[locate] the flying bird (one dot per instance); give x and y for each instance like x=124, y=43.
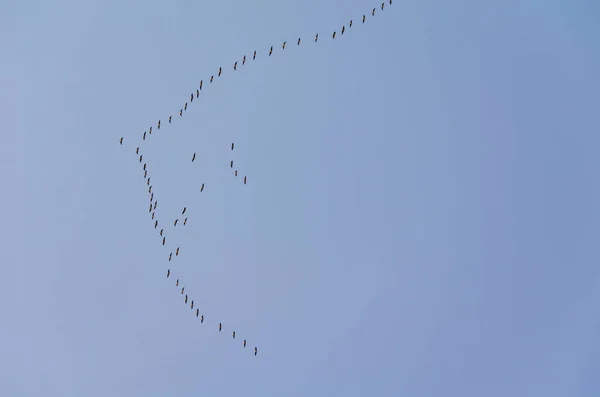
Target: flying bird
x=145, y=175
x=201, y=319
x=155, y=224
x=298, y=40
x=170, y=256
x=141, y=157
x=144, y=137
x=254, y=56
x=170, y=119
x=373, y=12
x=148, y=183
x=350, y=24
x=192, y=97
x=137, y=150
x=182, y=289
x=244, y=60
x=158, y=124
x=153, y=215
x=202, y=188
x=121, y=141
x=219, y=75
x=244, y=342
x=193, y=157
x=211, y=78
x=184, y=209
x=197, y=312
x=231, y=164
x=150, y=131
x=235, y=172
x=180, y=112
x=168, y=273
x=161, y=232
x=175, y=223
x=192, y=306
x=235, y=66
x=232, y=145
x=200, y=84
x=185, y=106
x=283, y=45
x=184, y=221
x=177, y=252
x=219, y=327
x=271, y=51
x=316, y=37
x=233, y=334
x=382, y=4
x=364, y=18
x=177, y=283
x=145, y=166
x=186, y=298
x=197, y=93
x=244, y=180
x=343, y=29
x=333, y=35
x=164, y=240
x=255, y=351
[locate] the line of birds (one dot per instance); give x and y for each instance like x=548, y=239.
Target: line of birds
x=154, y=202
x=152, y=210
x=243, y=60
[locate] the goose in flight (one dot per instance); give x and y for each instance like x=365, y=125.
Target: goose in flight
x=180, y=112
x=333, y=35
x=200, y=84
x=184, y=221
x=201, y=319
x=235, y=66
x=231, y=164
x=211, y=78
x=144, y=166
x=343, y=29
x=144, y=136
x=155, y=223
x=244, y=342
x=121, y=141
x=150, y=209
x=148, y=181
x=202, y=188
x=254, y=56
x=137, y=150
x=170, y=117
x=145, y=175
x=155, y=204
x=141, y=157
x=150, y=189
x=191, y=97
x=244, y=60
x=185, y=106
x=219, y=327
x=168, y=272
x=182, y=289
x=184, y=209
x=316, y=37
x=192, y=305
x=233, y=334
x=164, y=240
x=244, y=180
x=382, y=4
x=283, y=45
x=220, y=70
x=175, y=222
x=235, y=172
x=197, y=93
x=177, y=252
x=373, y=12
x=177, y=283
x=150, y=131
x=232, y=146
x=350, y=24
x=161, y=232
x=197, y=312
x=170, y=256
x=186, y=299
x=255, y=351
x=364, y=18
x=271, y=51
x=193, y=157
x=153, y=215
x=158, y=124
x=298, y=40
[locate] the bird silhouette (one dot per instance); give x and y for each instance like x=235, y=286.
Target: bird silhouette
x=121, y=141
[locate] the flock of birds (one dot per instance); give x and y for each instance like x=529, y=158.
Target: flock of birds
x=154, y=202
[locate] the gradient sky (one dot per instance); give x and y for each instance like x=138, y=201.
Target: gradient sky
x=421, y=216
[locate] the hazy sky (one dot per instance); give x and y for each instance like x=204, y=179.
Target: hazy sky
x=421, y=217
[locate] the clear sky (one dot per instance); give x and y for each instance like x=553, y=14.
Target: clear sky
x=421, y=217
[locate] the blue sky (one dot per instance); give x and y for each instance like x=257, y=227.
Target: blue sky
x=421, y=216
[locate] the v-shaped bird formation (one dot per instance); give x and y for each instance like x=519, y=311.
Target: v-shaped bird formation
x=182, y=220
